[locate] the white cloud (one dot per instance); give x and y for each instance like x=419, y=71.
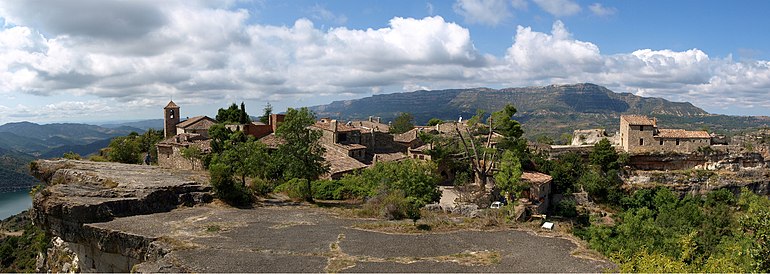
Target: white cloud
x=429, y=7
x=559, y=8
x=318, y=12
x=519, y=4
x=208, y=54
x=487, y=12
x=600, y=10
x=551, y=56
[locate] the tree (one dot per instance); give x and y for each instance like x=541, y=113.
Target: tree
x=503, y=123
x=125, y=149
x=265, y=118
x=233, y=115
x=404, y=122
x=566, y=171
x=301, y=154
x=434, y=121
x=192, y=154
x=604, y=156
x=508, y=179
x=148, y=142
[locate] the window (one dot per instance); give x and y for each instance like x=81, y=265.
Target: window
x=677, y=142
x=641, y=141
x=641, y=128
x=661, y=142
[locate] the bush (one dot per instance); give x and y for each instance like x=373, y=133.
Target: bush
x=326, y=189
x=71, y=155
x=296, y=189
x=391, y=205
x=261, y=186
x=225, y=187
x=566, y=208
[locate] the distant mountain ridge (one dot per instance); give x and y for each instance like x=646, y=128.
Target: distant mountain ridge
x=547, y=110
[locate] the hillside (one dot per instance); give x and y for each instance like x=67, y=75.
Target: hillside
x=14, y=173
x=549, y=110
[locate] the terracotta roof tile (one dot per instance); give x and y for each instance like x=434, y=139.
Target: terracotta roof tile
x=638, y=120
x=205, y=122
x=272, y=140
x=171, y=105
x=341, y=162
x=327, y=125
x=535, y=177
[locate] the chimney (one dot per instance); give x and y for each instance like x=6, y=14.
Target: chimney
x=333, y=125
x=371, y=118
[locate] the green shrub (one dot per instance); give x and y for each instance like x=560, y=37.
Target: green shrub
x=225, y=187
x=261, y=186
x=296, y=189
x=392, y=205
x=566, y=208
x=71, y=155
x=326, y=189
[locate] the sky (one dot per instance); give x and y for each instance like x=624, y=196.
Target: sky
x=98, y=60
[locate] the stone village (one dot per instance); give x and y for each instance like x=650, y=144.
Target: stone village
x=358, y=144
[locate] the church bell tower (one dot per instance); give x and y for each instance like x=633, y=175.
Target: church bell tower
x=170, y=119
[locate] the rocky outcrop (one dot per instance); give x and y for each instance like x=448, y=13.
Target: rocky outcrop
x=81, y=193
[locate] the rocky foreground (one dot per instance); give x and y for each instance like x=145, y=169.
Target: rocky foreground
x=108, y=217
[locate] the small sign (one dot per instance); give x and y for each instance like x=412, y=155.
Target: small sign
x=548, y=225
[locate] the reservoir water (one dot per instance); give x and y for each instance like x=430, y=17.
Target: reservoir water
x=11, y=203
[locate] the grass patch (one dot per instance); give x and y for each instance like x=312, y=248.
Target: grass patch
x=213, y=228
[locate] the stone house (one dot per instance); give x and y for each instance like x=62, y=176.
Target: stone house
x=196, y=125
x=170, y=151
x=538, y=191
x=640, y=134
x=259, y=129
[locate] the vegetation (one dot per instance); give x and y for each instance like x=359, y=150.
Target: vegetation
x=659, y=232
x=131, y=149
x=393, y=190
x=265, y=118
x=233, y=115
x=71, y=155
x=301, y=155
x=19, y=253
x=404, y=122
x=434, y=121
x=508, y=179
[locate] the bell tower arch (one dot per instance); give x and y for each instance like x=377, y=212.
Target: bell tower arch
x=170, y=119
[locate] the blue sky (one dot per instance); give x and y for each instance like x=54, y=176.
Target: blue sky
x=94, y=60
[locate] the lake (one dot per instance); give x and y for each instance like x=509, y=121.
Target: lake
x=11, y=203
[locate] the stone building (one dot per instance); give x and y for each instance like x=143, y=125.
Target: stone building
x=259, y=129
x=170, y=151
x=196, y=125
x=170, y=119
x=180, y=135
x=536, y=196
x=592, y=136
x=640, y=134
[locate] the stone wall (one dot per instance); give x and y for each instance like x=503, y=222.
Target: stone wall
x=171, y=157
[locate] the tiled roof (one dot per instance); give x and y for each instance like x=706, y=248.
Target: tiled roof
x=369, y=125
x=327, y=125
x=171, y=105
x=681, y=133
x=638, y=120
x=272, y=141
x=206, y=122
x=389, y=157
x=535, y=177
x=407, y=137
x=186, y=140
x=341, y=162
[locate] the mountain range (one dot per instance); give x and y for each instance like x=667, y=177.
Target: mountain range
x=549, y=110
